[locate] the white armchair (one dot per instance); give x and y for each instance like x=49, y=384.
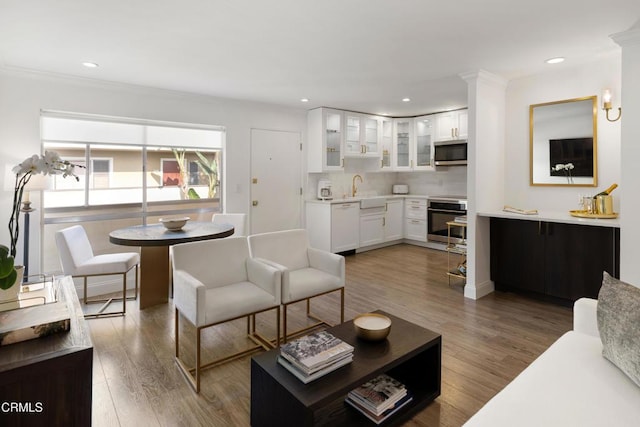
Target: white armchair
x=306, y=272
x=216, y=281
x=77, y=260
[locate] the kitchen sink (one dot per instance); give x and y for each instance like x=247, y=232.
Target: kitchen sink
x=373, y=202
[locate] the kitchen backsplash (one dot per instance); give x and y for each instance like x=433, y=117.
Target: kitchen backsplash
x=452, y=181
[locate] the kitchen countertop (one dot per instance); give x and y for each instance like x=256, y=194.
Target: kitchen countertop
x=386, y=196
x=554, y=216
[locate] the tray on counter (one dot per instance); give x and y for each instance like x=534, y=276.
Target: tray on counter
x=585, y=214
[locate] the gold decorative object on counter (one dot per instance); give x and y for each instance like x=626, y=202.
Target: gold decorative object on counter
x=598, y=206
x=604, y=205
x=585, y=214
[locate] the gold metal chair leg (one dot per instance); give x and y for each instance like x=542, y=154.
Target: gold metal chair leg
x=342, y=305
x=319, y=321
x=124, y=293
x=107, y=301
x=176, y=332
x=198, y=360
x=284, y=323
x=85, y=290
x=193, y=374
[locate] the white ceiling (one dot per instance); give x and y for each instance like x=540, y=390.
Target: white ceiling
x=363, y=55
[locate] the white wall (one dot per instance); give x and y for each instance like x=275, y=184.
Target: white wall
x=23, y=95
x=585, y=80
x=630, y=153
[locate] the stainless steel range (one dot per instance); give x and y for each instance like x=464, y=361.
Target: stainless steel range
x=440, y=210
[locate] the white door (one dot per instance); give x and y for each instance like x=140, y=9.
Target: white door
x=276, y=180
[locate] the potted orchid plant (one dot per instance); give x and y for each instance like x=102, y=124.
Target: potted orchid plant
x=48, y=164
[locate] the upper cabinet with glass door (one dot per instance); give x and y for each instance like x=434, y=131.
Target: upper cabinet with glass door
x=325, y=140
x=362, y=136
x=386, y=144
x=402, y=143
x=451, y=125
x=423, y=147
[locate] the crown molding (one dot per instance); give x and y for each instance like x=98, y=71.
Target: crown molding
x=61, y=78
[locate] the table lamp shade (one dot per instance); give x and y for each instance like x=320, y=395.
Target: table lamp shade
x=38, y=182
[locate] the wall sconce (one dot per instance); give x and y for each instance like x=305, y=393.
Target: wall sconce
x=606, y=105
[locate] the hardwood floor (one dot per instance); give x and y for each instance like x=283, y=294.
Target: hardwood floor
x=486, y=343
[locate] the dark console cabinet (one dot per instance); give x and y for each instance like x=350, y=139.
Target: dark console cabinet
x=48, y=381
x=561, y=262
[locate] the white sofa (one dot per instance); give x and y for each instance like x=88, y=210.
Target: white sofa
x=570, y=384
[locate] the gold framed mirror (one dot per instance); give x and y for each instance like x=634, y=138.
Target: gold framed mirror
x=563, y=142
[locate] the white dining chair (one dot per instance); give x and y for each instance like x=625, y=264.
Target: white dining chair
x=78, y=260
x=306, y=272
x=216, y=281
x=238, y=220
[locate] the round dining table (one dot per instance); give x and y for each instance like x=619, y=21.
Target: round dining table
x=154, y=241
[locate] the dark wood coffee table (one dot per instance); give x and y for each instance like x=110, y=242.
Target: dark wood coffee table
x=411, y=354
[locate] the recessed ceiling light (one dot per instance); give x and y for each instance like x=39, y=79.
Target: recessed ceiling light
x=90, y=64
x=556, y=60
x=406, y=99
x=304, y=99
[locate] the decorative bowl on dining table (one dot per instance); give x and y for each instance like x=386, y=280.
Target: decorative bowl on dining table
x=174, y=224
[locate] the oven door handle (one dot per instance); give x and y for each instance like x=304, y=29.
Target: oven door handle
x=446, y=211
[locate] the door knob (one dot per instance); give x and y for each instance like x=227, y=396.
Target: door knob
x=254, y=203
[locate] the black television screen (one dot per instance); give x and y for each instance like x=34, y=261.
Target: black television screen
x=578, y=151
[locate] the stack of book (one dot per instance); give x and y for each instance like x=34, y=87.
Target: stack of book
x=379, y=398
x=314, y=355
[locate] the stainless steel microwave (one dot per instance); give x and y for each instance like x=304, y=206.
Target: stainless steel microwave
x=450, y=153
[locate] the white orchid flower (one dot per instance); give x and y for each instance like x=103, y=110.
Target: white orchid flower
x=48, y=164
x=52, y=163
x=29, y=165
x=569, y=166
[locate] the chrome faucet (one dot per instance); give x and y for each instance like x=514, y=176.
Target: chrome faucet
x=354, y=189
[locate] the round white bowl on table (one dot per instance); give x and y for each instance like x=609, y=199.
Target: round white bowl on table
x=174, y=224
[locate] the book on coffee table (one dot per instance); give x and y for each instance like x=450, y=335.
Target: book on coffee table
x=315, y=350
x=307, y=378
x=378, y=394
x=385, y=414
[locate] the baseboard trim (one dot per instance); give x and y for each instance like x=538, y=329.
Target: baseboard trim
x=377, y=246
x=479, y=291
x=103, y=287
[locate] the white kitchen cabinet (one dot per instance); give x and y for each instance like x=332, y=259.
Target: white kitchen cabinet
x=402, y=144
x=362, y=135
x=386, y=144
x=415, y=229
x=451, y=125
x=393, y=220
x=372, y=227
x=333, y=227
x=413, y=144
x=325, y=140
x=423, y=147
x=415, y=214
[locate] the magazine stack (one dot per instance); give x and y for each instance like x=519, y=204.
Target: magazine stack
x=379, y=398
x=314, y=355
